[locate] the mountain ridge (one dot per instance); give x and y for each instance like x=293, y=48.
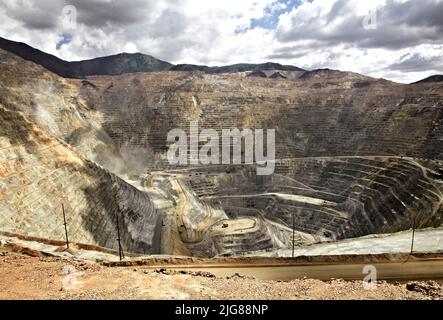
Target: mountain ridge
x=431, y=79
x=123, y=63
x=238, y=67
x=110, y=65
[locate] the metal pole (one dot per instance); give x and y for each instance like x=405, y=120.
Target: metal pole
x=120, y=249
x=66, y=228
x=412, y=240
x=293, y=235
x=413, y=237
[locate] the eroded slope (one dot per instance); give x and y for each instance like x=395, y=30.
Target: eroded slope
x=38, y=173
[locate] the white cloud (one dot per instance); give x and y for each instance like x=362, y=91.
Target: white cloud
x=325, y=33
x=317, y=33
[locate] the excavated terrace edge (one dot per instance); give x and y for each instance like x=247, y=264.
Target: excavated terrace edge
x=189, y=262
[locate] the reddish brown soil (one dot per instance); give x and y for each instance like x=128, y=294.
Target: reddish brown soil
x=29, y=277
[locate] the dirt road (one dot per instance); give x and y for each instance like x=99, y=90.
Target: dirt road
x=392, y=271
x=25, y=277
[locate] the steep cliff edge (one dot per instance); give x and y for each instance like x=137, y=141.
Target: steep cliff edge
x=39, y=172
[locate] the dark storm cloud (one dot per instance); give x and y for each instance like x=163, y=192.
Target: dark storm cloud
x=415, y=62
x=100, y=13
x=424, y=13
x=39, y=15
x=399, y=25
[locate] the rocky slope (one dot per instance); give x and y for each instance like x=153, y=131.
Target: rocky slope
x=111, y=65
x=355, y=155
x=38, y=173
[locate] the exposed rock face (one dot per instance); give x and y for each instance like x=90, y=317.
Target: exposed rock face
x=355, y=156
x=340, y=114
x=258, y=74
x=333, y=198
x=38, y=173
x=277, y=75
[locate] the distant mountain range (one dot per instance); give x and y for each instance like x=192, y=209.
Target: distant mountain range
x=122, y=63
x=241, y=67
x=436, y=78
x=137, y=62
x=111, y=65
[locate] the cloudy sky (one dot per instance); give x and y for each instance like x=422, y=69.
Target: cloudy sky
x=401, y=40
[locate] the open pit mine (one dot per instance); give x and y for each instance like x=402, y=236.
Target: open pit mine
x=354, y=156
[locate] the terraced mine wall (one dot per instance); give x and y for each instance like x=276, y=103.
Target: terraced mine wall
x=355, y=156
x=54, y=103
x=346, y=115
x=330, y=198
x=38, y=173
x=122, y=122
